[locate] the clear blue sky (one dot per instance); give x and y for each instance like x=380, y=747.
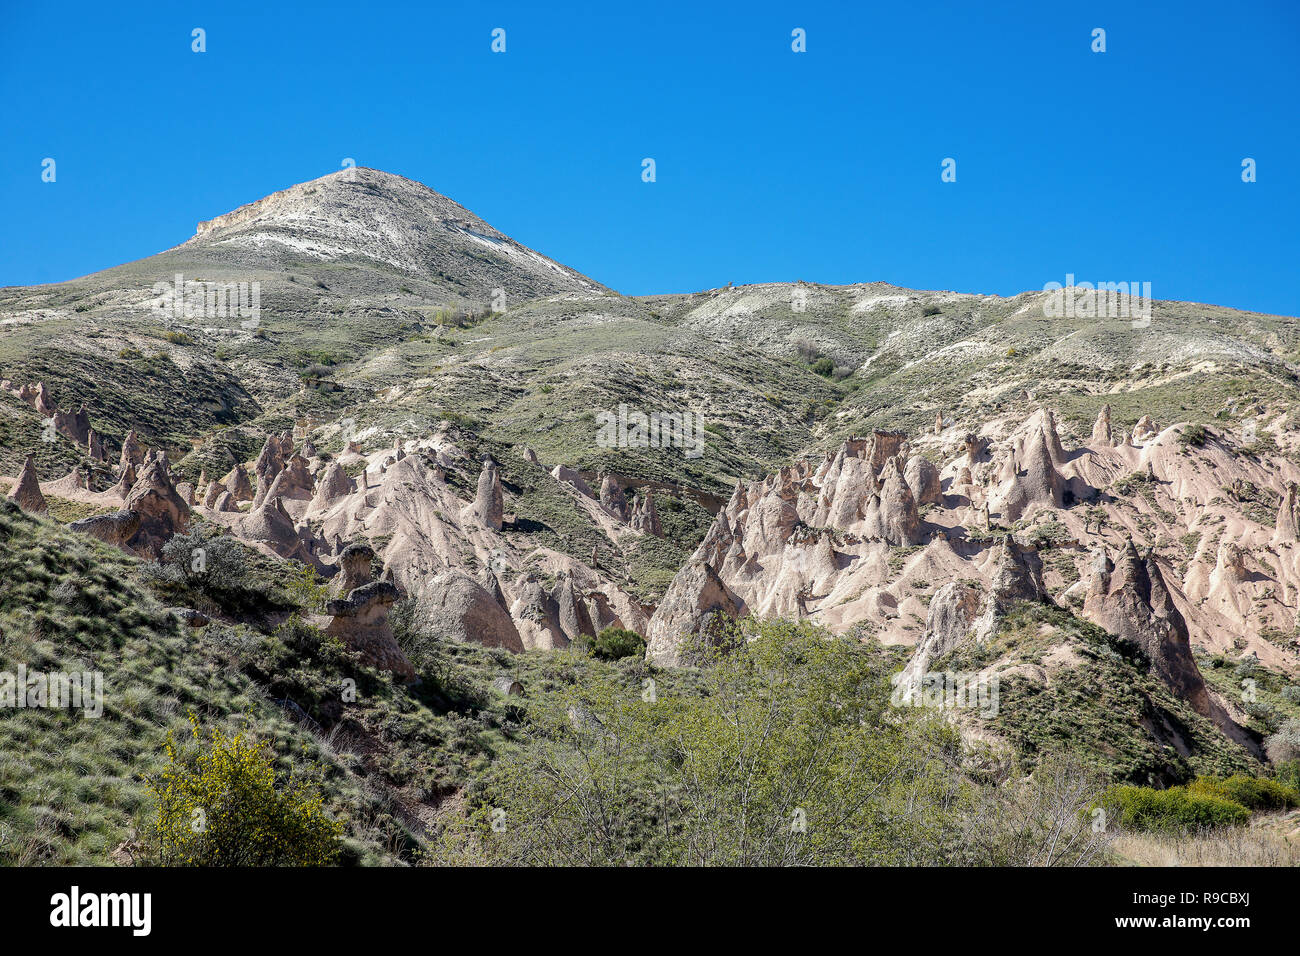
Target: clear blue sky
x=772, y=165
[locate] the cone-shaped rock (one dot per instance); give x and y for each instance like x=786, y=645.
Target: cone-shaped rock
x=26, y=491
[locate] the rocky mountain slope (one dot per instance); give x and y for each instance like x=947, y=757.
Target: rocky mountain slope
x=414, y=414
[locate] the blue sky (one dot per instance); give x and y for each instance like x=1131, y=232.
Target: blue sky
x=771, y=165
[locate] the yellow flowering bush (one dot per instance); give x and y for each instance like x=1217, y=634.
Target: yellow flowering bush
x=218, y=805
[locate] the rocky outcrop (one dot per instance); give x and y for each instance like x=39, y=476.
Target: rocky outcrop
x=1130, y=599
x=1017, y=575
x=488, y=508
x=26, y=490
x=612, y=497
x=1030, y=479
x=354, y=568
x=238, y=484
x=115, y=529
x=293, y=482
x=460, y=609
x=360, y=621
x=1287, y=527
x=95, y=447
x=125, y=482
x=948, y=623
x=74, y=426
x=162, y=511
x=570, y=477
x=570, y=611
x=214, y=491
x=270, y=462
x=538, y=617
x=69, y=486
x=1144, y=429
x=38, y=396
x=333, y=486
x=270, y=525
x=922, y=479
x=1101, y=432
x=694, y=601
x=890, y=514
x=645, y=516
x=132, y=453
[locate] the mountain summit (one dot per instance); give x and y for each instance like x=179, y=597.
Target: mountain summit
x=368, y=217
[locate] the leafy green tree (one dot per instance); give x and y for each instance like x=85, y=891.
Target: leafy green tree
x=790, y=754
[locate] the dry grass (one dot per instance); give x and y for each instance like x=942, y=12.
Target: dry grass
x=1273, y=840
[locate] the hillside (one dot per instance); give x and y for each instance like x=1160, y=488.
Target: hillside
x=398, y=470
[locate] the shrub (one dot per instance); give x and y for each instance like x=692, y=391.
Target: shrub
x=218, y=805
x=1192, y=435
x=1284, y=746
x=1144, y=808
x=1253, y=793
x=931, y=310
x=823, y=367
x=614, y=643
x=1288, y=774
x=205, y=556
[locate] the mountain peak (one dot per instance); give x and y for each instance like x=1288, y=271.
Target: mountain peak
x=365, y=215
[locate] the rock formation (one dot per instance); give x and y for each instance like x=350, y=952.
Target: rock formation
x=214, y=491
x=571, y=613
x=334, y=485
x=1144, y=430
x=115, y=529
x=95, y=447
x=695, y=599
x=488, y=508
x=612, y=497
x=645, y=516
x=238, y=484
x=354, y=568
x=461, y=609
x=162, y=511
x=922, y=479
x=26, y=490
x=1030, y=479
x=1101, y=433
x=1130, y=599
x=569, y=476
x=538, y=617
x=360, y=621
x=1287, y=527
x=132, y=454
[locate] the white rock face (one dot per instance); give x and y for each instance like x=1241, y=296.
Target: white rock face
x=365, y=214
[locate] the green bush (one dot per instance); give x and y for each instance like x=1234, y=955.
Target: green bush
x=1253, y=793
x=614, y=643
x=823, y=367
x=1287, y=773
x=1144, y=808
x=218, y=805
x=1192, y=435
